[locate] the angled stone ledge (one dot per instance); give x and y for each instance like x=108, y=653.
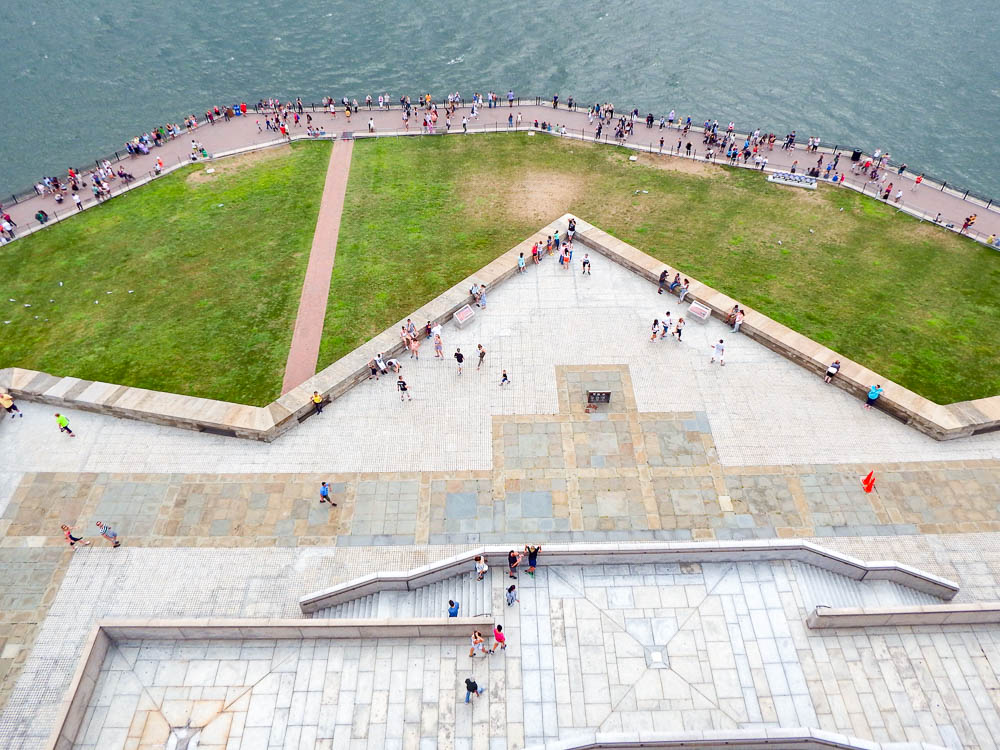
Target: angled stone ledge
x=942, y=422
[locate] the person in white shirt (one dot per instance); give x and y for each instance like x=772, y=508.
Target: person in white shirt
x=719, y=352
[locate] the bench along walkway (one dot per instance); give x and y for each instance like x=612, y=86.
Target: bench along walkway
x=926, y=202
x=303, y=353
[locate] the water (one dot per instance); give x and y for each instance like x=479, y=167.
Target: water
x=917, y=78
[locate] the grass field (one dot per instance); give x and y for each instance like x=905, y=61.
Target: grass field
x=215, y=265
x=908, y=300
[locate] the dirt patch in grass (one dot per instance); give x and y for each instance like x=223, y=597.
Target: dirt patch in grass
x=236, y=163
x=541, y=195
x=677, y=164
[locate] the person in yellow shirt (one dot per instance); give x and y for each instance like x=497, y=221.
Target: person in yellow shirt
x=317, y=402
x=7, y=402
x=64, y=424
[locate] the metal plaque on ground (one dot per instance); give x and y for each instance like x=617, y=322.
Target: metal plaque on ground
x=598, y=397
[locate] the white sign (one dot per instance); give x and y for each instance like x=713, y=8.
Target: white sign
x=463, y=315
x=699, y=311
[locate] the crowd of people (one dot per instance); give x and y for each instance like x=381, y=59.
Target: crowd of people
x=282, y=116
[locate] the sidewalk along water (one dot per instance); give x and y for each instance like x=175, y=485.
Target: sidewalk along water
x=907, y=77
x=931, y=201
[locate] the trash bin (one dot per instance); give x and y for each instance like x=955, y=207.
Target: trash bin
x=856, y=156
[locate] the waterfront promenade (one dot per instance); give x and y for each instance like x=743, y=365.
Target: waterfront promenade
x=925, y=202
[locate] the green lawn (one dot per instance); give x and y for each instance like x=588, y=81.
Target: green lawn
x=215, y=264
x=908, y=300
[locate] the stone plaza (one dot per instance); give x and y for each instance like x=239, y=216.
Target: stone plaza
x=686, y=451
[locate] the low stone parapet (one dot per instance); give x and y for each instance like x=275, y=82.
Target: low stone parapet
x=612, y=553
x=934, y=614
x=773, y=738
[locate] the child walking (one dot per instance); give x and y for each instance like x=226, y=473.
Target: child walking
x=68, y=533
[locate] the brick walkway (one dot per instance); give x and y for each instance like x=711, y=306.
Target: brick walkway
x=243, y=131
x=304, y=350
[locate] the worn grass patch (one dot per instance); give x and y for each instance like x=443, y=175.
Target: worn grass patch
x=908, y=300
x=215, y=266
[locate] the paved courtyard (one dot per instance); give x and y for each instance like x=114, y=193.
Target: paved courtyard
x=608, y=648
x=685, y=451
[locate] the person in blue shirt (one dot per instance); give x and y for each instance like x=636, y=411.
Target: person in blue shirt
x=324, y=494
x=452, y=608
x=873, y=393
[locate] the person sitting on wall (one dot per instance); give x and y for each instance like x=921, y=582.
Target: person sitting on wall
x=475, y=292
x=42, y=216
x=731, y=317
x=675, y=283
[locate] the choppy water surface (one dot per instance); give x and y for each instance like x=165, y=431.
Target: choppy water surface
x=919, y=78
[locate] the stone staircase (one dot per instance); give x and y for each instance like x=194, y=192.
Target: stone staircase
x=431, y=601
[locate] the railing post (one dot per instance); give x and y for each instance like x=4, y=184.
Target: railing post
x=944, y=185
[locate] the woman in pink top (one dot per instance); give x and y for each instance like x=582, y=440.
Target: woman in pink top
x=499, y=639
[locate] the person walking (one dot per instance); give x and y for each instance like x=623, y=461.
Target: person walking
x=679, y=328
x=513, y=560
x=401, y=385
x=453, y=608
x=499, y=639
x=68, y=533
x=504, y=380
x=586, y=264
x=317, y=403
x=718, y=350
x=511, y=595
x=472, y=688
x=324, y=494
x=478, y=643
x=665, y=326
x=656, y=329
x=832, y=370
x=7, y=402
x=64, y=424
x=482, y=356
x=873, y=393
x=460, y=358
x=108, y=533
x=438, y=347
x=532, y=552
